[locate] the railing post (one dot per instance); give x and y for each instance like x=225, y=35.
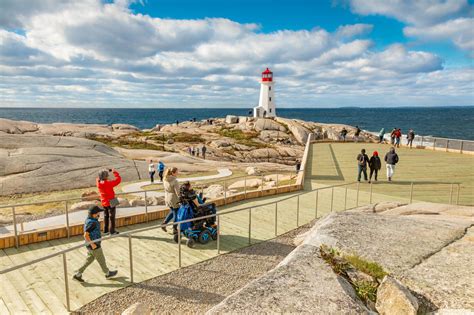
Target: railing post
x=447, y=145
x=462, y=146
x=179, y=245
x=245, y=187
x=276, y=218
x=298, y=211
x=411, y=192
x=225, y=191
x=332, y=197
x=218, y=235
x=457, y=195
x=146, y=207
x=130, y=256
x=67, y=219
x=345, y=199
x=15, y=228
x=370, y=198
x=66, y=283
x=451, y=194
x=250, y=226
x=316, y=204
x=357, y=198
x=434, y=144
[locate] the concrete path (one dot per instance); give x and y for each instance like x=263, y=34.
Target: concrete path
x=222, y=172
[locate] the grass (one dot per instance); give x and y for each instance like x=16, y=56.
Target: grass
x=179, y=137
x=126, y=142
x=242, y=137
x=340, y=264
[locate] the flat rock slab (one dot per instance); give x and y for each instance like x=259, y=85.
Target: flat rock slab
x=302, y=283
x=396, y=242
x=447, y=277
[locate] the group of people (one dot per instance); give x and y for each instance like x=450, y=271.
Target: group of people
x=195, y=151
x=374, y=163
x=152, y=170
x=396, y=136
x=344, y=133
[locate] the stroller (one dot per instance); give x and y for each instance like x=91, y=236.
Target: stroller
x=201, y=231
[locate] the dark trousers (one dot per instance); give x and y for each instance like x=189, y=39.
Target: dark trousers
x=372, y=171
x=160, y=173
x=410, y=142
x=361, y=169
x=171, y=215
x=152, y=175
x=109, y=215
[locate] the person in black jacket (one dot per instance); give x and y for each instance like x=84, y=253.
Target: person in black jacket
x=362, y=160
x=391, y=158
x=375, y=165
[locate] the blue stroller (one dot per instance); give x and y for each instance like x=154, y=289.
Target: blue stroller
x=201, y=231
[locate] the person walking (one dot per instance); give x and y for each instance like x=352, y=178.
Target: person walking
x=375, y=165
x=357, y=133
x=362, y=160
x=171, y=187
x=298, y=166
x=193, y=152
x=392, y=136
x=161, y=170
x=94, y=250
x=398, y=136
x=189, y=150
x=203, y=150
x=343, y=134
x=410, y=137
x=391, y=158
x=151, y=171
x=107, y=198
x=381, y=135
x=197, y=151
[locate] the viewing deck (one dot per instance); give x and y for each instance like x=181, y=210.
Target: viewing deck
x=40, y=288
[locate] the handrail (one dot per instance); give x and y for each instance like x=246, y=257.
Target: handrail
x=160, y=226
x=130, y=192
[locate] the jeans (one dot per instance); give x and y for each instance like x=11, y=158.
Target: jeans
x=361, y=169
x=109, y=215
x=171, y=215
x=160, y=173
x=94, y=254
x=390, y=170
x=372, y=171
x=410, y=142
x=152, y=174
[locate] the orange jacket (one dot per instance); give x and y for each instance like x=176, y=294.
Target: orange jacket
x=106, y=189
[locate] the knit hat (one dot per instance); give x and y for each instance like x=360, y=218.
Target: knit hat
x=376, y=153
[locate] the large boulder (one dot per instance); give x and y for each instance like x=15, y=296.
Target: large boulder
x=17, y=127
x=299, y=131
x=214, y=191
x=231, y=119
x=395, y=299
x=268, y=124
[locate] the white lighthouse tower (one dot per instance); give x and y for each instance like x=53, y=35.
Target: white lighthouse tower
x=266, y=103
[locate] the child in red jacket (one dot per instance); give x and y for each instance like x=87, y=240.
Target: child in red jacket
x=107, y=194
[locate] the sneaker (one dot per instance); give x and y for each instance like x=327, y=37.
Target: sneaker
x=111, y=274
x=164, y=229
x=115, y=232
x=78, y=278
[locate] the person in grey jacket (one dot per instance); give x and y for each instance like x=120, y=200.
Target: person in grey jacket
x=391, y=158
x=171, y=187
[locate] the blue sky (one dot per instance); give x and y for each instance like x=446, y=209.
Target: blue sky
x=210, y=53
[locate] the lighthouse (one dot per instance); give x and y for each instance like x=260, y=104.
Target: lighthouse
x=266, y=103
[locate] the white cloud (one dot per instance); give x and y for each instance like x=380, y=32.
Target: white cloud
x=94, y=54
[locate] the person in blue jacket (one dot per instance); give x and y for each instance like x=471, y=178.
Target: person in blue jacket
x=161, y=169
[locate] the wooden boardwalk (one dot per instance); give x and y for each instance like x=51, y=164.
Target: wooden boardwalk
x=39, y=288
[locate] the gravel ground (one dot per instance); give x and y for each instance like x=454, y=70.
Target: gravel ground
x=197, y=288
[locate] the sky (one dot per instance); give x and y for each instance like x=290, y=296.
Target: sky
x=210, y=53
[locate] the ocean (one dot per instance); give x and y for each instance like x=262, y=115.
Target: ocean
x=447, y=122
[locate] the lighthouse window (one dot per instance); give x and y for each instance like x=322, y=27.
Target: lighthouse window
x=270, y=99
x=269, y=88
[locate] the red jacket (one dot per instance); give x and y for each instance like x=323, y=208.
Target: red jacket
x=106, y=189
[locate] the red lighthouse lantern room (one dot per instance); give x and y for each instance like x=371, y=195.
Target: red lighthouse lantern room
x=267, y=76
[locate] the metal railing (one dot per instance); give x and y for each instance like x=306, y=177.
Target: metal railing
x=145, y=193
x=313, y=210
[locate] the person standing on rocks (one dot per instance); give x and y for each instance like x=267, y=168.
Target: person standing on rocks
x=391, y=158
x=193, y=152
x=375, y=165
x=171, y=187
x=343, y=134
x=161, y=170
x=197, y=151
x=298, y=166
x=107, y=198
x=381, y=134
x=189, y=150
x=94, y=250
x=410, y=137
x=362, y=160
x=203, y=150
x=151, y=171
x=357, y=133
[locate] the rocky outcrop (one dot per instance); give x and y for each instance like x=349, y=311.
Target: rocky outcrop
x=394, y=299
x=268, y=124
x=17, y=127
x=298, y=130
x=33, y=163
